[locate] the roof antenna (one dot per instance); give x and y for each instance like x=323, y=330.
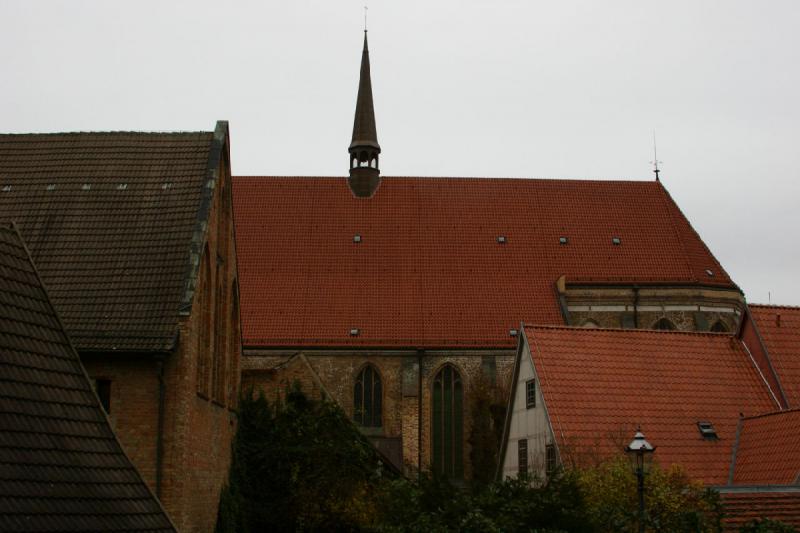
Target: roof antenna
x=365, y=19
x=655, y=160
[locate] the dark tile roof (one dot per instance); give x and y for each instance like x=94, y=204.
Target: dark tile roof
x=598, y=385
x=429, y=271
x=109, y=218
x=61, y=467
x=768, y=452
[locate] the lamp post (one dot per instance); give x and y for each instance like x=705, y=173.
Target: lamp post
x=640, y=453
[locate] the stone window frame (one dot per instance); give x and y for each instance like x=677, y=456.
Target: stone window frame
x=664, y=321
x=360, y=417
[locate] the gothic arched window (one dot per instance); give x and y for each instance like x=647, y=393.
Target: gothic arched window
x=448, y=423
x=719, y=327
x=367, y=396
x=664, y=324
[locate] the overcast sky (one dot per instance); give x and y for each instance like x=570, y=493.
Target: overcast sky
x=557, y=89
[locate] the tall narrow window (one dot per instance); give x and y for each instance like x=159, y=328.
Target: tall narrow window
x=103, y=389
x=522, y=455
x=664, y=324
x=367, y=396
x=530, y=393
x=203, y=307
x=550, y=458
x=448, y=424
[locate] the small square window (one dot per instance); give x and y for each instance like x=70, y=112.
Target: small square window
x=522, y=455
x=707, y=430
x=530, y=393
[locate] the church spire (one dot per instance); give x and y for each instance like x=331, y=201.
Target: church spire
x=364, y=148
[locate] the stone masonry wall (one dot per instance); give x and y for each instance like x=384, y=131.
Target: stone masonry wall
x=401, y=404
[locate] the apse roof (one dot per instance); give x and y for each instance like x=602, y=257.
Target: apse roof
x=110, y=219
x=429, y=269
x=61, y=467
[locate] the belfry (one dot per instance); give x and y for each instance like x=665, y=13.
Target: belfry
x=365, y=174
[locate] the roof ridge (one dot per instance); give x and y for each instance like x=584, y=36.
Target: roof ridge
x=775, y=306
x=631, y=330
x=464, y=178
x=106, y=132
x=772, y=413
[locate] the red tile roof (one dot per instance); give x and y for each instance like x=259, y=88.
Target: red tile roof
x=599, y=384
x=743, y=507
x=769, y=450
x=429, y=271
x=779, y=327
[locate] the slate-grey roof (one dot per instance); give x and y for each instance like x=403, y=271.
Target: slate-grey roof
x=61, y=467
x=109, y=219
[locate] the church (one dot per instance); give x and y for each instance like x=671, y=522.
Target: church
x=412, y=302
x=405, y=295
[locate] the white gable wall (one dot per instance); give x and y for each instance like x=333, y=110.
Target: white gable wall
x=531, y=424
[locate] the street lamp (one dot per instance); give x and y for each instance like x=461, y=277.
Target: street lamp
x=640, y=453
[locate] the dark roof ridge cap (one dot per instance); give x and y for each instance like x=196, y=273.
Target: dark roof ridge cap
x=772, y=413
x=219, y=144
x=637, y=331
x=108, y=132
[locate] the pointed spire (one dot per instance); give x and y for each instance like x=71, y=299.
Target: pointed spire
x=364, y=131
x=364, y=148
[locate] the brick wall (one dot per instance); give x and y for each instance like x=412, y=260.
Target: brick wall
x=201, y=386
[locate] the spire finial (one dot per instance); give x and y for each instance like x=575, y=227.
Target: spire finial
x=655, y=160
x=365, y=19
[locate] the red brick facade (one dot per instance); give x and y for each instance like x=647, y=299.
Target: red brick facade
x=184, y=454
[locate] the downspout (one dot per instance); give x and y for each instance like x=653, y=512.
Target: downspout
x=419, y=411
x=160, y=431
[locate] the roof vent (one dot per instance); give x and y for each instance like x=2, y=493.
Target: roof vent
x=707, y=430
x=51, y=186
x=86, y=186
x=513, y=332
x=616, y=241
x=709, y=273
x=563, y=240
x=6, y=188
x=354, y=332
x=501, y=239
x=122, y=186
x=356, y=238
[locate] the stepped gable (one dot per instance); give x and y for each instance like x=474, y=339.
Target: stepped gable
x=429, y=271
x=109, y=219
x=61, y=467
x=779, y=329
x=598, y=385
x=768, y=451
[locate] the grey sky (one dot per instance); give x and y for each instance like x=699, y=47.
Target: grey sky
x=462, y=88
